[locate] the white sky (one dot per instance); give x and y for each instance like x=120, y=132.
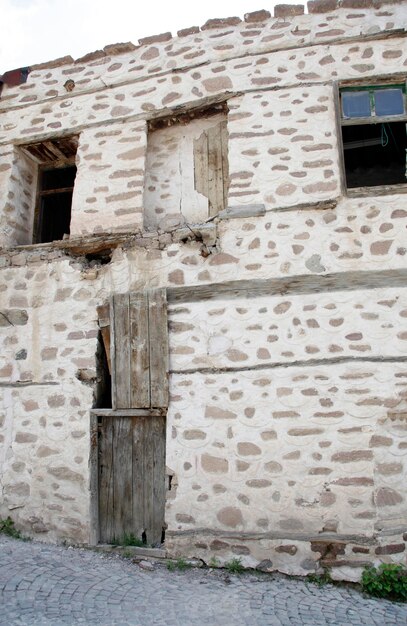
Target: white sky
x=34, y=31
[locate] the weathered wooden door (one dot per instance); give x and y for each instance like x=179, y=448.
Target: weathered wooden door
x=131, y=436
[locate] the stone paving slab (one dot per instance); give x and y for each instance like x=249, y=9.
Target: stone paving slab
x=47, y=585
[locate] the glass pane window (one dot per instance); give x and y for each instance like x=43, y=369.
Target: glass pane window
x=389, y=102
x=356, y=104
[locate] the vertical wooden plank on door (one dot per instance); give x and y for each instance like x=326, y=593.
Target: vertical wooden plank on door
x=139, y=351
x=149, y=477
x=106, y=480
x=148, y=507
x=122, y=477
x=121, y=351
x=157, y=445
x=139, y=478
x=158, y=332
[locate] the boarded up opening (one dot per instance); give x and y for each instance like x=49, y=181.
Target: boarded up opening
x=139, y=349
x=186, y=170
x=128, y=475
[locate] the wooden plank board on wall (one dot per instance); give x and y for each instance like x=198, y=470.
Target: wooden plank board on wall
x=225, y=162
x=215, y=173
x=201, y=164
x=139, y=380
x=105, y=443
x=139, y=350
x=122, y=478
x=139, y=478
x=211, y=170
x=121, y=351
x=149, y=477
x=158, y=332
x=157, y=438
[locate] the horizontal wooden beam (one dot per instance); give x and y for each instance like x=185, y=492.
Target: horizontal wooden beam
x=28, y=383
x=260, y=367
x=374, y=119
x=320, y=205
x=128, y=412
x=87, y=244
x=297, y=284
x=53, y=192
x=250, y=210
x=382, y=190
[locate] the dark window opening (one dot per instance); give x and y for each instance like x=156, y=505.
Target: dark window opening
x=55, y=160
x=375, y=154
x=55, y=200
x=374, y=139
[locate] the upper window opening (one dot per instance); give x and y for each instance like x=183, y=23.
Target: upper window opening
x=55, y=200
x=187, y=174
x=56, y=177
x=374, y=137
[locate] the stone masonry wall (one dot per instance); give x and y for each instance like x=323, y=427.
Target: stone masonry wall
x=286, y=430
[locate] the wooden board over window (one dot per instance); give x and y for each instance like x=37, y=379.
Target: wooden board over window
x=211, y=170
x=138, y=344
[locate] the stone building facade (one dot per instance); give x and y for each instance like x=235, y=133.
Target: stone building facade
x=236, y=168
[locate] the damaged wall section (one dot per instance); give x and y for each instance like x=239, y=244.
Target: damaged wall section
x=187, y=175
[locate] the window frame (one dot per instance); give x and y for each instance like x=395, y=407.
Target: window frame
x=371, y=82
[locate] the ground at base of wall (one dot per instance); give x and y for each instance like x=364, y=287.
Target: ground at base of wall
x=84, y=587
x=153, y=559
x=344, y=557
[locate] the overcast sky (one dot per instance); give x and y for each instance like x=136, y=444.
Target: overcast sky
x=33, y=31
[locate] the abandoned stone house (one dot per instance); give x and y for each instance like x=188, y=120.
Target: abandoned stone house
x=203, y=298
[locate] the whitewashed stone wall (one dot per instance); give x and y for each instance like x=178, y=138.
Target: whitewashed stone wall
x=287, y=431
x=108, y=193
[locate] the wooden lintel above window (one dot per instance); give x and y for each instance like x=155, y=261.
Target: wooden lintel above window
x=357, y=121
x=58, y=152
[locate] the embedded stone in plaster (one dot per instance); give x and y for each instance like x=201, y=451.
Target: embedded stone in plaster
x=216, y=412
x=213, y=464
x=386, y=496
x=230, y=516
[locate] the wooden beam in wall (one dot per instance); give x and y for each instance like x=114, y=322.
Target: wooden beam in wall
x=298, y=284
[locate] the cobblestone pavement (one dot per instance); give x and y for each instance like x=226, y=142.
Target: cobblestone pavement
x=45, y=585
